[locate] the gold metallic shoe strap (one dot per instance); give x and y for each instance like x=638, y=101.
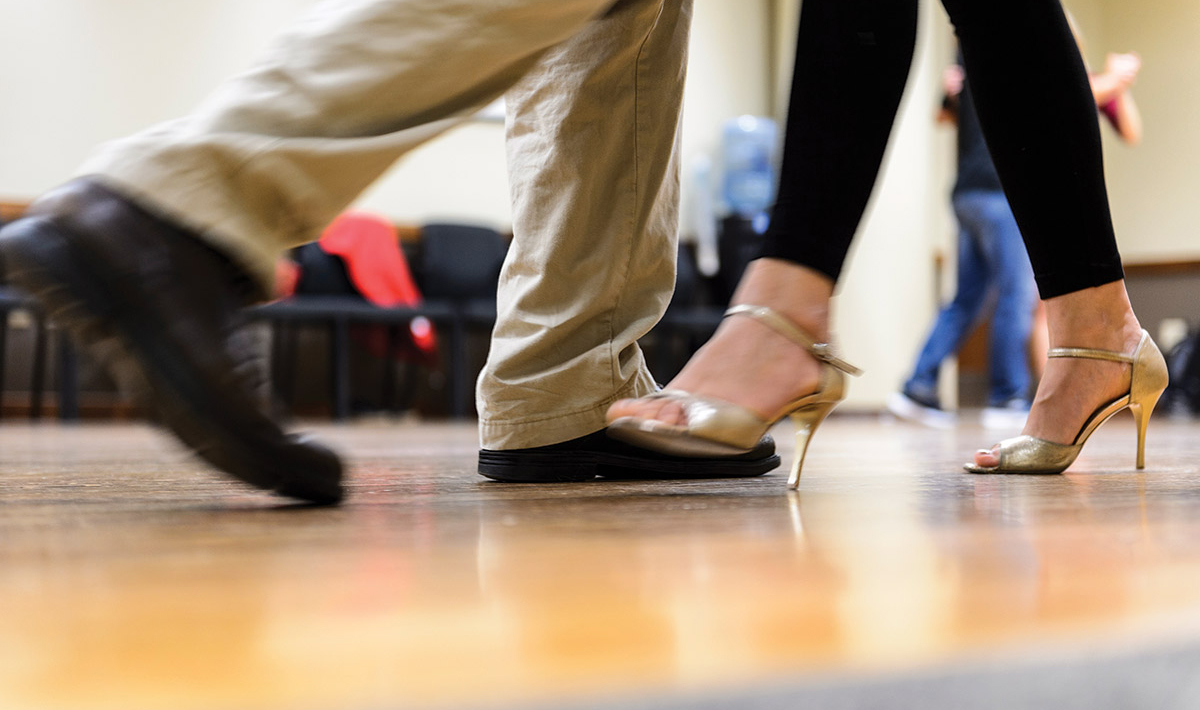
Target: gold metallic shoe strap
x=1091, y=354
x=821, y=351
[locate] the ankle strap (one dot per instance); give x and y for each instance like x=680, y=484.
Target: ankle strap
x=821, y=351
x=1091, y=354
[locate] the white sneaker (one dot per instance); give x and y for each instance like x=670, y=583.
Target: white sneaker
x=906, y=407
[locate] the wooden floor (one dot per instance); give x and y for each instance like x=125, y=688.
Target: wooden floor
x=130, y=578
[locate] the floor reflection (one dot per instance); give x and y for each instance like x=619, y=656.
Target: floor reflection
x=134, y=580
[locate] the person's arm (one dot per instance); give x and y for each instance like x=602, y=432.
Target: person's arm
x=1122, y=112
x=1120, y=71
x=1113, y=97
x=952, y=86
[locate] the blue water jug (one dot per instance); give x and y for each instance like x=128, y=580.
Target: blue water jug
x=748, y=148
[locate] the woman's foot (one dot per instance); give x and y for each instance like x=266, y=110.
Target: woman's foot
x=1071, y=389
x=746, y=363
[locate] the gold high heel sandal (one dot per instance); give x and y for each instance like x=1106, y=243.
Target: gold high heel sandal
x=1148, y=379
x=719, y=428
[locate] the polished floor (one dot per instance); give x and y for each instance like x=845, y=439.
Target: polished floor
x=131, y=579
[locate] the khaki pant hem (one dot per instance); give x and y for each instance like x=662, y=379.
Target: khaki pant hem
x=498, y=435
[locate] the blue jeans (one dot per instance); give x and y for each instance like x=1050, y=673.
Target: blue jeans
x=991, y=259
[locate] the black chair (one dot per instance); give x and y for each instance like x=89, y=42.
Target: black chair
x=738, y=244
x=690, y=320
x=326, y=296
x=337, y=313
x=458, y=270
x=699, y=302
x=12, y=300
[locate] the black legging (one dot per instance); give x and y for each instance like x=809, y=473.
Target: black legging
x=1035, y=107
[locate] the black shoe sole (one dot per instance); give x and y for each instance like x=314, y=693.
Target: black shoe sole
x=611, y=459
x=114, y=324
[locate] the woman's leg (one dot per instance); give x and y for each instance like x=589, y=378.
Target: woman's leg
x=1046, y=145
x=1049, y=160
x=1008, y=356
x=1017, y=46
x=852, y=60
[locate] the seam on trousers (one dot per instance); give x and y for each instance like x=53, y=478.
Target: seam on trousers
x=613, y=357
x=293, y=226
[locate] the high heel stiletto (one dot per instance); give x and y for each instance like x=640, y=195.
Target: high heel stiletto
x=1148, y=379
x=717, y=428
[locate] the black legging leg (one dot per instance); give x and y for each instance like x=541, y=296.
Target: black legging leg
x=852, y=60
x=1046, y=143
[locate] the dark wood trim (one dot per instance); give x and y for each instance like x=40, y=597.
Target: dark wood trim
x=408, y=233
x=12, y=210
x=94, y=406
x=1163, y=268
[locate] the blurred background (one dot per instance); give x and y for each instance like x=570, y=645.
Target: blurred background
x=79, y=72
x=132, y=579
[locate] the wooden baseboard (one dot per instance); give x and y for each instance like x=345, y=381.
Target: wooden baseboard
x=1151, y=269
x=12, y=210
x=49, y=411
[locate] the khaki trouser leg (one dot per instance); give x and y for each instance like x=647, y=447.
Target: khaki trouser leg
x=594, y=176
x=278, y=152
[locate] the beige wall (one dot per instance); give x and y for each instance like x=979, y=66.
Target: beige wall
x=79, y=72
x=462, y=176
x=1154, y=187
x=888, y=295
x=728, y=65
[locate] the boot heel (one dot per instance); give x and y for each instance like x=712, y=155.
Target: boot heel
x=806, y=422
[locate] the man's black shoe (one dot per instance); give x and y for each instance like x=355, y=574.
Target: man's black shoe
x=159, y=307
x=598, y=456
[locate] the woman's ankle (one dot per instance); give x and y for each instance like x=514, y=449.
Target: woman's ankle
x=1098, y=317
x=800, y=294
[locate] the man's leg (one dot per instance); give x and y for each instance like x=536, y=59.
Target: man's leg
x=148, y=258
x=919, y=400
x=1012, y=321
x=956, y=318
x=276, y=153
x=595, y=183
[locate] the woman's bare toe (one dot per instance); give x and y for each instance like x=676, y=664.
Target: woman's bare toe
x=661, y=410
x=988, y=458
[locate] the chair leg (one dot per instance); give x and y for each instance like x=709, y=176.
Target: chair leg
x=458, y=369
x=284, y=345
x=664, y=352
x=3, y=354
x=68, y=380
x=38, y=386
x=388, y=385
x=339, y=365
x=408, y=392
